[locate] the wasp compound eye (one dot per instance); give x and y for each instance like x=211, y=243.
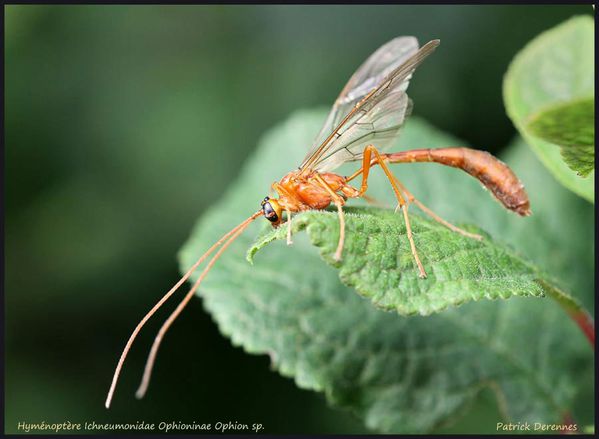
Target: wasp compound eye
x=269, y=213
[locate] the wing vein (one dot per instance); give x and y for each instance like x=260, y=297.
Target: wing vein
x=377, y=94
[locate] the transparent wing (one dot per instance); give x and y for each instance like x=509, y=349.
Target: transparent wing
x=361, y=116
x=379, y=126
x=378, y=66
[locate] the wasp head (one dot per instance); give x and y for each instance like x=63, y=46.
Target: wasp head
x=272, y=211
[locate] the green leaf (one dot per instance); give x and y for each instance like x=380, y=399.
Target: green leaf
x=569, y=124
x=580, y=159
x=572, y=126
x=556, y=68
x=378, y=261
x=404, y=374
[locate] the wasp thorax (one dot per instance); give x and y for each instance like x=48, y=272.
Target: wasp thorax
x=272, y=211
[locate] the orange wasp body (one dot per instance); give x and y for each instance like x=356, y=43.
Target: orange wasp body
x=370, y=111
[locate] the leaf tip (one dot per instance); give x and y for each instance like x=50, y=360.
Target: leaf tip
x=249, y=256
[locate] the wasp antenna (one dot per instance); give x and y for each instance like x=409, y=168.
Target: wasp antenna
x=145, y=381
x=164, y=298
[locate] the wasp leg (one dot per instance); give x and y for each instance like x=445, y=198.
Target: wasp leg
x=339, y=202
x=284, y=193
x=411, y=198
x=366, y=164
x=289, y=241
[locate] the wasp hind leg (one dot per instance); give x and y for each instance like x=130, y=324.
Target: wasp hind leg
x=401, y=202
x=412, y=199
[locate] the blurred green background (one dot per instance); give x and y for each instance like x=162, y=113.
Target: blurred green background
x=124, y=123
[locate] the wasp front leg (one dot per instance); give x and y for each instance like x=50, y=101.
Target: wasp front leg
x=289, y=241
x=289, y=203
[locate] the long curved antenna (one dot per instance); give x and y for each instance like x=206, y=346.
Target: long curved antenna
x=155, y=308
x=145, y=381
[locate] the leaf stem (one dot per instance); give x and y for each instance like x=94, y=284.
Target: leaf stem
x=574, y=309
